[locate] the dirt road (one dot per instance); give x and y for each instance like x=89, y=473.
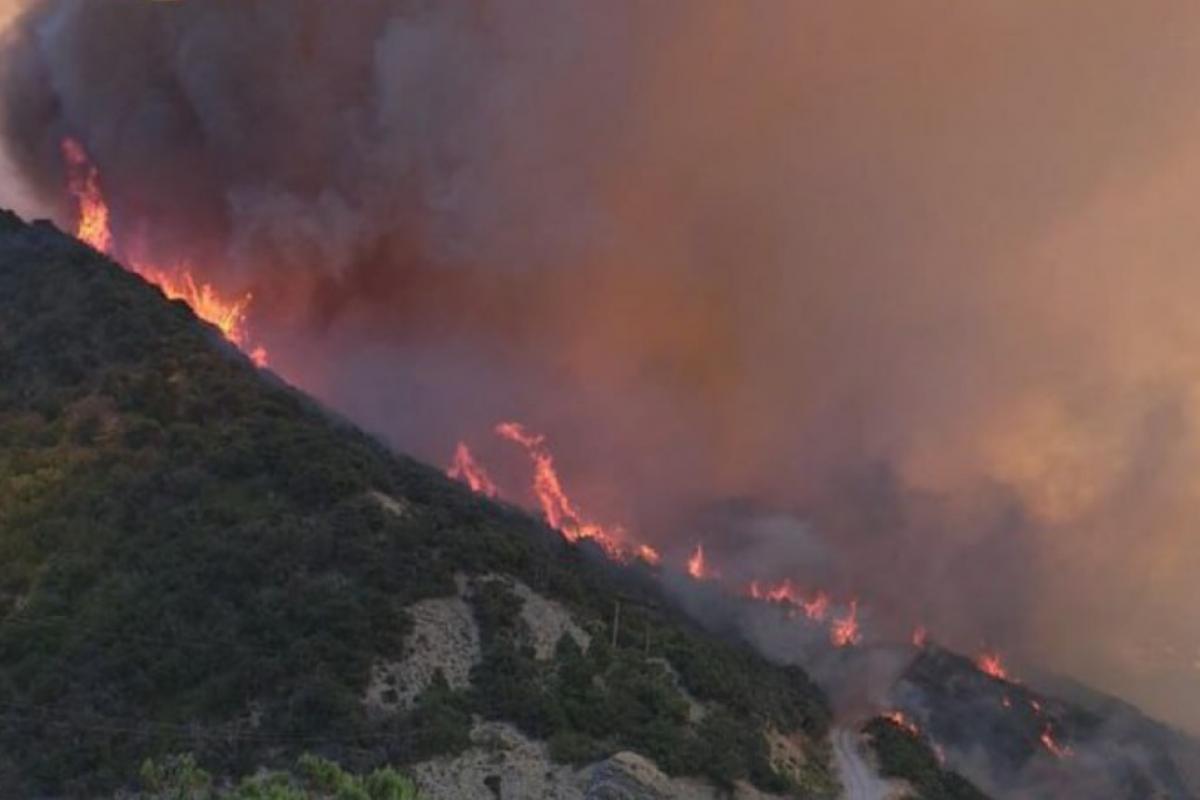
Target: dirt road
x=858, y=779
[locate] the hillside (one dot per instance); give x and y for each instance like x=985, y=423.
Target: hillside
x=195, y=558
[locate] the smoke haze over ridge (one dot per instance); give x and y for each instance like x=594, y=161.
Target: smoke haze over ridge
x=914, y=280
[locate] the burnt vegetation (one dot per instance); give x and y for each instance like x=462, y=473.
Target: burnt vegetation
x=192, y=560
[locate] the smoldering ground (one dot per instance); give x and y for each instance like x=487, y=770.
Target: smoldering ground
x=918, y=275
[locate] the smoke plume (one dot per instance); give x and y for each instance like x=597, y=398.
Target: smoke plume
x=896, y=297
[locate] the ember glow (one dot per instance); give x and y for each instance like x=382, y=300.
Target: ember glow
x=1052, y=745
x=466, y=469
x=227, y=314
x=989, y=663
x=919, y=636
x=898, y=719
x=814, y=607
x=844, y=631
x=697, y=567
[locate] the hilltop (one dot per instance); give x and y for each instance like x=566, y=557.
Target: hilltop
x=197, y=558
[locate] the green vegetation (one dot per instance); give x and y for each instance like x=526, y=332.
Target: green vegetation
x=194, y=558
x=180, y=778
x=591, y=705
x=904, y=754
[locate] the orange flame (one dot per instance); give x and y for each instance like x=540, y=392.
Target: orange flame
x=648, y=554
x=466, y=469
x=561, y=514
x=920, y=637
x=83, y=182
x=228, y=316
x=92, y=228
x=898, y=719
x=815, y=608
x=698, y=568
x=1051, y=744
x=989, y=663
x=843, y=631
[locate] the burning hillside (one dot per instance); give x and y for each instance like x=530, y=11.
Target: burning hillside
x=248, y=579
x=827, y=306
x=178, y=282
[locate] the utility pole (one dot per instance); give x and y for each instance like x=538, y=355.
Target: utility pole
x=616, y=621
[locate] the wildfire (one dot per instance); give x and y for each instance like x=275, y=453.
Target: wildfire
x=989, y=663
x=561, y=514
x=919, y=637
x=898, y=719
x=843, y=631
x=816, y=608
x=466, y=469
x=228, y=316
x=92, y=228
x=565, y=517
x=83, y=182
x=697, y=567
x=1051, y=744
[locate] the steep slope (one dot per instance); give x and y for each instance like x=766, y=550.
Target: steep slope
x=1020, y=742
x=196, y=558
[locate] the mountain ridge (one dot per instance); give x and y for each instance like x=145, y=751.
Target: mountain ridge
x=196, y=558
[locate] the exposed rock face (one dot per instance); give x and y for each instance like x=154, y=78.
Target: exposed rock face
x=504, y=764
x=696, y=710
x=628, y=776
x=399, y=507
x=787, y=752
x=547, y=622
x=445, y=637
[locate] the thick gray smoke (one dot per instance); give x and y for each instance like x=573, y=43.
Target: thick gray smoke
x=913, y=281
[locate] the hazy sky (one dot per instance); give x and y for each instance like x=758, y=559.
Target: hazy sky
x=918, y=274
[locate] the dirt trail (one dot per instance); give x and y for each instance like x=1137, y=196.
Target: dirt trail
x=858, y=779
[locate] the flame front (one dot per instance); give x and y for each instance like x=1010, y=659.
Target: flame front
x=843, y=631
x=898, y=719
x=83, y=182
x=1052, y=745
x=561, y=514
x=564, y=516
x=466, y=469
x=989, y=663
x=92, y=228
x=697, y=567
x=920, y=637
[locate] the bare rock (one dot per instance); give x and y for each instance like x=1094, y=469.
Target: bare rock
x=445, y=636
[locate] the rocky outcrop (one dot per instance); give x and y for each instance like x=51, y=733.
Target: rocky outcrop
x=547, y=622
x=628, y=776
x=445, y=637
x=502, y=764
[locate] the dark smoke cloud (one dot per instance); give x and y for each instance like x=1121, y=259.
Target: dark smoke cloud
x=916, y=277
